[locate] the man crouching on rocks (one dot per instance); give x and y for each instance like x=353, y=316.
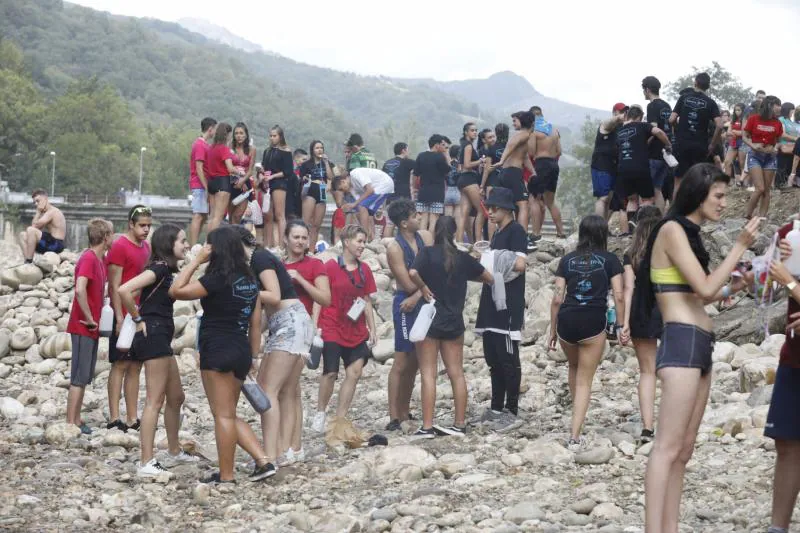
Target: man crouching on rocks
x=47, y=231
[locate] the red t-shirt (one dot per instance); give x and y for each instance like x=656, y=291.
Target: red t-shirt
x=92, y=268
x=199, y=149
x=216, y=156
x=764, y=131
x=310, y=269
x=336, y=326
x=131, y=257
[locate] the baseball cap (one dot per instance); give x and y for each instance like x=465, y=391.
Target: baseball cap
x=619, y=106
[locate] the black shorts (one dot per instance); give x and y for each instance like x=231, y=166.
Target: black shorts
x=687, y=346
x=115, y=355
x=546, y=179
x=647, y=329
x=84, y=360
x=219, y=184
x=318, y=191
x=225, y=354
x=157, y=343
x=280, y=184
x=783, y=417
x=636, y=182
x=493, y=178
x=468, y=178
x=688, y=156
x=48, y=243
x=332, y=353
x=576, y=324
x=511, y=178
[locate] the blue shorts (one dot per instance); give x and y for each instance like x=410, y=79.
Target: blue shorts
x=783, y=417
x=659, y=170
x=48, y=243
x=452, y=196
x=403, y=322
x=762, y=160
x=373, y=202
x=199, y=202
x=602, y=183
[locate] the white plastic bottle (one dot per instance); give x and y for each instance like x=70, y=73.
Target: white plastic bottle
x=611, y=317
x=126, y=333
x=106, y=319
x=423, y=322
x=670, y=159
x=793, y=262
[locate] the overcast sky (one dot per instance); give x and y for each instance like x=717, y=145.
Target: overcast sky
x=581, y=51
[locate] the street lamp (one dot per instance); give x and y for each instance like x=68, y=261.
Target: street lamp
x=53, y=178
x=141, y=167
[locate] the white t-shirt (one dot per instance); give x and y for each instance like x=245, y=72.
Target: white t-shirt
x=381, y=182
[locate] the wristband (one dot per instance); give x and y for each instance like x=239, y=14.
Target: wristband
x=137, y=320
x=726, y=291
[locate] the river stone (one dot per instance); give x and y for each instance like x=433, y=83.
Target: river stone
x=55, y=344
x=23, y=338
x=383, y=350
x=523, y=511
x=595, y=456
x=61, y=432
x=29, y=274
x=11, y=408
x=546, y=451
x=5, y=343
x=753, y=373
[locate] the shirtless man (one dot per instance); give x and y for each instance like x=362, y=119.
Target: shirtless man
x=544, y=145
x=47, y=231
x=512, y=160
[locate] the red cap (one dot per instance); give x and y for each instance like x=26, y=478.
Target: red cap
x=619, y=106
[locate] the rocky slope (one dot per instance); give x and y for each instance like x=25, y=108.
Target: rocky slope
x=53, y=478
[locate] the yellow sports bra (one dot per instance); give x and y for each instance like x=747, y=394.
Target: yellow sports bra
x=669, y=279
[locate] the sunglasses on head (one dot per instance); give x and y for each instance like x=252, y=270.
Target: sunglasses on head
x=144, y=210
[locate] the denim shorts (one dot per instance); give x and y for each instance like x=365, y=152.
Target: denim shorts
x=658, y=172
x=290, y=330
x=687, y=346
x=762, y=160
x=452, y=196
x=602, y=183
x=199, y=202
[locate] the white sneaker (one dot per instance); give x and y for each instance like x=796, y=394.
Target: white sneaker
x=299, y=457
x=318, y=424
x=181, y=458
x=286, y=458
x=153, y=469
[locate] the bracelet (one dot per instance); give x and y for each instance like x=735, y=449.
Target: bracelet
x=137, y=320
x=726, y=291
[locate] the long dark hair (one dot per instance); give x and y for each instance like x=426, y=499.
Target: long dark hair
x=311, y=150
x=694, y=189
x=786, y=110
x=246, y=142
x=464, y=132
x=647, y=219
x=246, y=237
x=767, y=112
x=443, y=238
x=482, y=138
x=501, y=130
x=593, y=234
x=221, y=135
x=281, y=136
x=227, y=255
x=162, y=246
x=737, y=116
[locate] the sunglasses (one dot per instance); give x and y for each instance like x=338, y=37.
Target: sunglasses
x=144, y=210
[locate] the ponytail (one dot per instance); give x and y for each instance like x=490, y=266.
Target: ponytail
x=443, y=238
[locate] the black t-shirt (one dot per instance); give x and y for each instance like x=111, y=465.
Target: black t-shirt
x=449, y=289
x=658, y=112
x=588, y=277
x=228, y=306
x=797, y=148
x=604, y=156
x=276, y=160
x=317, y=171
x=400, y=169
x=493, y=154
x=432, y=168
x=695, y=110
x=264, y=260
x=155, y=301
x=514, y=238
x=632, y=141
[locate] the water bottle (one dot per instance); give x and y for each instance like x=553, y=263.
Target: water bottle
x=199, y=318
x=380, y=224
x=611, y=317
x=423, y=322
x=793, y=262
x=106, y=319
x=244, y=196
x=126, y=333
x=315, y=354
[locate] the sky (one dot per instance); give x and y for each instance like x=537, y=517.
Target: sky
x=581, y=51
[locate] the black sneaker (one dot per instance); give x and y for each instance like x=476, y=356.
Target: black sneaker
x=531, y=247
x=214, y=478
x=422, y=433
x=533, y=238
x=263, y=472
x=117, y=424
x=647, y=436
x=394, y=425
x=450, y=431
x=136, y=425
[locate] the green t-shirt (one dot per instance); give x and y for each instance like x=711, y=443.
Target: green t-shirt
x=362, y=159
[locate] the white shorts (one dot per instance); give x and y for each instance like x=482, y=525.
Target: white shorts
x=199, y=201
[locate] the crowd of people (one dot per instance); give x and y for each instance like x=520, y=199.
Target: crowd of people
x=494, y=185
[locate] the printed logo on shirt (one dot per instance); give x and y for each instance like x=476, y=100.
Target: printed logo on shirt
x=695, y=103
x=586, y=264
x=245, y=289
x=766, y=128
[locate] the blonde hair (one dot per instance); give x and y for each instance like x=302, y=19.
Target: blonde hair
x=98, y=229
x=351, y=231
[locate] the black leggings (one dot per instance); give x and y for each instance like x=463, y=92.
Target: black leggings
x=502, y=356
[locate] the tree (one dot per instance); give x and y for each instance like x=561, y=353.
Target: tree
x=725, y=88
x=575, y=189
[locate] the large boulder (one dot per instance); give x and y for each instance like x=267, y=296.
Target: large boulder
x=5, y=343
x=9, y=278
x=23, y=338
x=55, y=344
x=29, y=274
x=11, y=409
x=756, y=373
x=61, y=432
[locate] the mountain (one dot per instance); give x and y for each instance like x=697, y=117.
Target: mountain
x=219, y=34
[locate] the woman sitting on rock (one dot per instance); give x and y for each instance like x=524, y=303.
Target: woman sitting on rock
x=578, y=313
x=442, y=271
x=675, y=268
x=152, y=346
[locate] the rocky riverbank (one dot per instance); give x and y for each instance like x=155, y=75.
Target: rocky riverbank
x=54, y=478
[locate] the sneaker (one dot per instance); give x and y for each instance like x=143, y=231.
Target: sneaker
x=422, y=433
x=647, y=436
x=576, y=445
x=181, y=458
x=263, y=472
x=394, y=425
x=318, y=424
x=450, y=431
x=489, y=415
x=153, y=469
x=534, y=238
x=214, y=478
x=86, y=430
x=507, y=421
x=136, y=425
x=531, y=246
x=299, y=456
x=286, y=458
x=117, y=424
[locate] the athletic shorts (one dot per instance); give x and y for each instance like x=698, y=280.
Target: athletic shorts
x=762, y=160
x=403, y=322
x=689, y=156
x=199, y=201
x=576, y=324
x=658, y=172
x=219, y=184
x=687, y=346
x=546, y=179
x=290, y=330
x=783, y=417
x=602, y=183
x=468, y=178
x=452, y=196
x=157, y=343
x=511, y=178
x=373, y=202
x=636, y=182
x=280, y=184
x=317, y=191
x=84, y=360
x=332, y=353
x=224, y=353
x=115, y=355
x=48, y=243
x=647, y=329
x=434, y=208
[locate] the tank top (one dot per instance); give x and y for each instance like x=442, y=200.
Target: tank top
x=604, y=156
x=241, y=162
x=408, y=256
x=473, y=157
